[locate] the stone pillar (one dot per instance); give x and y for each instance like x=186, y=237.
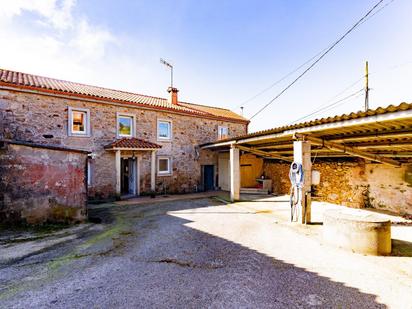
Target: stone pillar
x=301, y=154
x=118, y=173
x=153, y=172
x=234, y=174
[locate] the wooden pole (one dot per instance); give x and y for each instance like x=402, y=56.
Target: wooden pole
x=366, y=87
x=302, y=155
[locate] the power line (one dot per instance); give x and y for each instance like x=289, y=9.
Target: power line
x=300, y=66
x=279, y=80
x=327, y=107
x=241, y=105
x=360, y=21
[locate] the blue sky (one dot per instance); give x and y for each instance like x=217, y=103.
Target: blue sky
x=224, y=52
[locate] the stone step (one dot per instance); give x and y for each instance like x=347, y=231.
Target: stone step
x=253, y=191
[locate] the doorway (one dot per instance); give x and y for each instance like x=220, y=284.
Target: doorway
x=208, y=177
x=128, y=176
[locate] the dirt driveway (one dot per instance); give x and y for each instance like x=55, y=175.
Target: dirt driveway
x=195, y=253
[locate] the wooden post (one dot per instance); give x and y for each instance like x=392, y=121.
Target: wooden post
x=118, y=173
x=234, y=174
x=301, y=154
x=366, y=87
x=153, y=172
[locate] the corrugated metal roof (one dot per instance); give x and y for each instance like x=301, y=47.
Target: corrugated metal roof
x=30, y=81
x=361, y=114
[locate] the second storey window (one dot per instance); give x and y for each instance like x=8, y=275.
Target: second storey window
x=164, y=130
x=222, y=132
x=79, y=122
x=125, y=125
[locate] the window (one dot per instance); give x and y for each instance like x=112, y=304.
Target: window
x=222, y=132
x=125, y=125
x=164, y=130
x=164, y=166
x=79, y=122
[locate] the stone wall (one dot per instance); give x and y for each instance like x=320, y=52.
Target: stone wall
x=39, y=185
x=44, y=119
x=353, y=183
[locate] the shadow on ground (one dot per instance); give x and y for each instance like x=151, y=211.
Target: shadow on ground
x=163, y=263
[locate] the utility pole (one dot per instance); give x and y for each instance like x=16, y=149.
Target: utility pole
x=171, y=70
x=366, y=87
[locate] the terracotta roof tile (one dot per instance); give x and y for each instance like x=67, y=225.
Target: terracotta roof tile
x=132, y=143
x=30, y=81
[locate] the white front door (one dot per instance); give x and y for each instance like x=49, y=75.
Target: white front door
x=224, y=171
x=132, y=175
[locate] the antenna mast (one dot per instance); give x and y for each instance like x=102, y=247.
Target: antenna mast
x=366, y=86
x=162, y=61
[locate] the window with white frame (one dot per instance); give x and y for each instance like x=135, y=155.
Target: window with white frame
x=164, y=130
x=125, y=125
x=222, y=132
x=79, y=121
x=164, y=165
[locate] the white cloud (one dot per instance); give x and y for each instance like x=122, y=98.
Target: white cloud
x=90, y=40
x=45, y=37
x=54, y=13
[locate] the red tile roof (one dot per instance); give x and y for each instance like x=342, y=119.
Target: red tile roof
x=132, y=143
x=62, y=87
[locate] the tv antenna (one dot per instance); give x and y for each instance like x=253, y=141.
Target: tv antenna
x=162, y=61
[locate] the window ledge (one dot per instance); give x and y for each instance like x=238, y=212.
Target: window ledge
x=79, y=135
x=164, y=174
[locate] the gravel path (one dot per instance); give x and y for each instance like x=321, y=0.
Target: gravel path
x=190, y=254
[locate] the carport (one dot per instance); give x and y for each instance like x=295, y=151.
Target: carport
x=383, y=135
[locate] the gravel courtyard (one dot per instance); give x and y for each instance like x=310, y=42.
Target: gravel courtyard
x=197, y=253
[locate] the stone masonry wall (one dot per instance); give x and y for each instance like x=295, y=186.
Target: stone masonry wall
x=40, y=185
x=352, y=183
x=44, y=119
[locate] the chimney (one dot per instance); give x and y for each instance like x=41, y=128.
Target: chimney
x=173, y=95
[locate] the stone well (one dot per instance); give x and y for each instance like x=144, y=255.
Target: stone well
x=357, y=231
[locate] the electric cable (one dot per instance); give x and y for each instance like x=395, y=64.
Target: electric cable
x=360, y=21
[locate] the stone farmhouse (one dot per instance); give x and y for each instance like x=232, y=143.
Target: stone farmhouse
x=63, y=143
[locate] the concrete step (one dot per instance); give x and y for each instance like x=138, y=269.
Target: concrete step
x=253, y=191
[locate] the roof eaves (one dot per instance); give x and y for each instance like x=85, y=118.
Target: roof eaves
x=354, y=115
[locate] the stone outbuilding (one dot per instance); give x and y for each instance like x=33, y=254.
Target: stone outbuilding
x=41, y=183
x=364, y=159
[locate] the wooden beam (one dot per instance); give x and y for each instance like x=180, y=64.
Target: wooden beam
x=288, y=144
x=372, y=135
x=346, y=149
x=263, y=153
x=397, y=144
